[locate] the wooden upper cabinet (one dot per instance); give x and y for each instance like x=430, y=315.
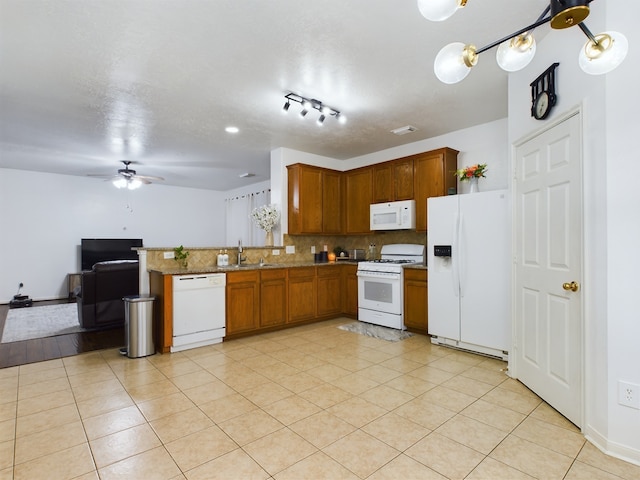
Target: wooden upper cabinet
x=403, y=179
x=331, y=201
x=383, y=190
x=358, y=195
x=314, y=199
x=393, y=181
x=433, y=176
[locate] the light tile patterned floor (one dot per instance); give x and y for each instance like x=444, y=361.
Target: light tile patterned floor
x=310, y=402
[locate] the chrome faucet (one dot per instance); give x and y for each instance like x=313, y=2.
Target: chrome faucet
x=240, y=250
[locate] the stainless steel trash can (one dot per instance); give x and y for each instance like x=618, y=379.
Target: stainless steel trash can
x=138, y=326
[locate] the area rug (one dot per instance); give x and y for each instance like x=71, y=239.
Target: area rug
x=376, y=331
x=39, y=322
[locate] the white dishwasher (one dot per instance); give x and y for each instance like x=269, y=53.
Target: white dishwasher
x=198, y=310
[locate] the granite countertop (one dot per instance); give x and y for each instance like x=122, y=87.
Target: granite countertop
x=246, y=267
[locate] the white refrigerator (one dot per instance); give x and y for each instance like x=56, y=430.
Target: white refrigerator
x=468, y=257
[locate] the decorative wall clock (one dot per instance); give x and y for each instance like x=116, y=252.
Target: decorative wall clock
x=543, y=93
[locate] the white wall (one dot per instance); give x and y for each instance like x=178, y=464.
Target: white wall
x=44, y=216
x=612, y=229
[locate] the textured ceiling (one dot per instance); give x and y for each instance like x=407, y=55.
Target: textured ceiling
x=87, y=83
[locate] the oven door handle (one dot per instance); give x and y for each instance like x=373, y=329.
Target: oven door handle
x=379, y=276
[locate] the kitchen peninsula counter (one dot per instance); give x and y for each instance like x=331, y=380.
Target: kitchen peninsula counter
x=245, y=267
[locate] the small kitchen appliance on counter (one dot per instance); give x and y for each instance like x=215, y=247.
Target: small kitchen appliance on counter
x=380, y=290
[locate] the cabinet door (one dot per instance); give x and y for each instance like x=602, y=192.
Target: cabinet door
x=403, y=179
x=302, y=294
x=350, y=299
x=357, y=198
x=434, y=176
x=273, y=297
x=331, y=202
x=329, y=290
x=415, y=300
x=243, y=301
x=305, y=199
x=383, y=190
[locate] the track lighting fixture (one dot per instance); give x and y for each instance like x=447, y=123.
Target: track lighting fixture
x=601, y=54
x=309, y=104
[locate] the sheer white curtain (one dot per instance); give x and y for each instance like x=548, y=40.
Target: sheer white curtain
x=239, y=223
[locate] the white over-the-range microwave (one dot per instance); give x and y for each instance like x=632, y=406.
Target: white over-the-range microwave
x=393, y=215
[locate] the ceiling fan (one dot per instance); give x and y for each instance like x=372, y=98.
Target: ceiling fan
x=128, y=178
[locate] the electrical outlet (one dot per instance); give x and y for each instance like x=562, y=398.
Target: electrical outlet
x=629, y=394
x=290, y=249
x=313, y=249
x=169, y=255
x=275, y=251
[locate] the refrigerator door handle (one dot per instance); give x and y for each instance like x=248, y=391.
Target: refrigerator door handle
x=462, y=260
x=455, y=277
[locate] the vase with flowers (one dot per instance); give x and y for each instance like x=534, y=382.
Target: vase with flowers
x=266, y=217
x=471, y=174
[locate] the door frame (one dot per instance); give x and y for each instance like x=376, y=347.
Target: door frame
x=584, y=286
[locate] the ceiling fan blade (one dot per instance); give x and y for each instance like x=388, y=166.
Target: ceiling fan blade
x=149, y=177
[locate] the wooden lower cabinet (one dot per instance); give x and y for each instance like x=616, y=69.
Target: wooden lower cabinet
x=161, y=287
x=273, y=297
x=243, y=301
x=350, y=297
x=329, y=291
x=302, y=294
x=416, y=316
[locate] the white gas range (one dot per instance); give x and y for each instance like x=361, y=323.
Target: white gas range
x=380, y=285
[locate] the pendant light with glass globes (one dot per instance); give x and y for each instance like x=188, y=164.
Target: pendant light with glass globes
x=601, y=53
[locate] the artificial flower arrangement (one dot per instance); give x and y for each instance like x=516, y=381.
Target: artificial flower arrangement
x=478, y=170
x=265, y=217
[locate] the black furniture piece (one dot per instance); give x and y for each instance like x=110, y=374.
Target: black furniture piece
x=102, y=288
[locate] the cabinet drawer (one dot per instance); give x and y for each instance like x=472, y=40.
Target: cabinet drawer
x=276, y=274
x=329, y=271
x=242, y=277
x=416, y=274
x=302, y=272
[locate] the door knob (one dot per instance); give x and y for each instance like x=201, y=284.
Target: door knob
x=573, y=286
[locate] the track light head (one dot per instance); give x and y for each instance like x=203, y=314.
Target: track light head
x=311, y=103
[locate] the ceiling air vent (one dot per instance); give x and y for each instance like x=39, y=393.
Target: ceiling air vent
x=404, y=130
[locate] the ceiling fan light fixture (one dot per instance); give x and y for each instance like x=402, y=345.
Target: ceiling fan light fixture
x=604, y=55
x=515, y=54
x=133, y=183
x=120, y=182
x=454, y=61
x=439, y=10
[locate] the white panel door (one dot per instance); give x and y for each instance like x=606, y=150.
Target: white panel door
x=548, y=258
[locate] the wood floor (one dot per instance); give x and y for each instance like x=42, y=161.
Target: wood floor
x=39, y=349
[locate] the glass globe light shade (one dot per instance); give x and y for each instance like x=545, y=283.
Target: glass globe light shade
x=604, y=57
x=133, y=183
x=437, y=10
x=516, y=53
x=449, y=65
x=120, y=182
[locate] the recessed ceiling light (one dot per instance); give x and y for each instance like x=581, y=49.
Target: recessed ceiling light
x=232, y=129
